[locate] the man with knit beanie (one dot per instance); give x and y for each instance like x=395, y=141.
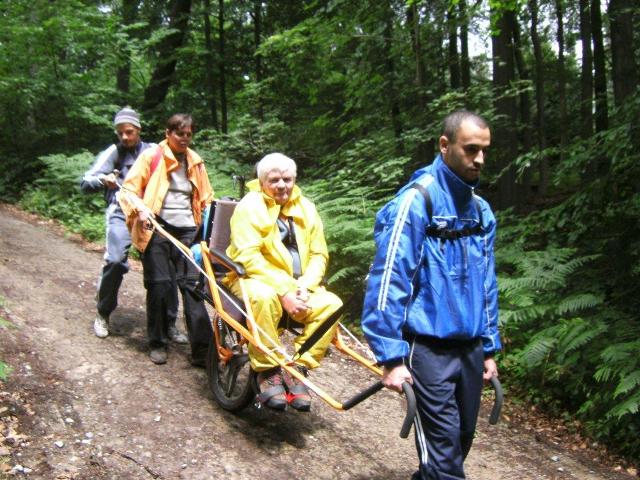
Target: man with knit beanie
x=111, y=167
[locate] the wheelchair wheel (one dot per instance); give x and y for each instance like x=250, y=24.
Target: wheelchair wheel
x=231, y=379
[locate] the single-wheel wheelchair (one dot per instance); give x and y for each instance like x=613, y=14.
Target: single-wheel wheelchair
x=230, y=377
x=231, y=380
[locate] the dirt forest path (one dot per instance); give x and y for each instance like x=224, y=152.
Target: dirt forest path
x=78, y=407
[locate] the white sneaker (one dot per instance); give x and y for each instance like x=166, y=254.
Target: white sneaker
x=177, y=336
x=101, y=327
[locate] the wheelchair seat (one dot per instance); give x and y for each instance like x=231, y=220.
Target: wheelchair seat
x=220, y=234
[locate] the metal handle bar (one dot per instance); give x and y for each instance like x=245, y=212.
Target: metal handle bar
x=376, y=387
x=497, y=403
x=411, y=410
x=363, y=395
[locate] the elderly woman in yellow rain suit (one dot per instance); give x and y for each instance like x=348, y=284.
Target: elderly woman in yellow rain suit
x=278, y=237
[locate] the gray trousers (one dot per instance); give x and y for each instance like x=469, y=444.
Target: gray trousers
x=118, y=242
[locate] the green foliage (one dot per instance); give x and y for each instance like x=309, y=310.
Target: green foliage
x=569, y=315
x=348, y=223
x=5, y=369
x=54, y=95
x=56, y=194
x=247, y=143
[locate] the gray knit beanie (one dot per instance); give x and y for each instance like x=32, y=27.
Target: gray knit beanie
x=127, y=115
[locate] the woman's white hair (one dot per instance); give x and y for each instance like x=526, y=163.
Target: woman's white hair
x=275, y=161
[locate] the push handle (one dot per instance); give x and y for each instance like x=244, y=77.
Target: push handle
x=497, y=403
x=363, y=395
x=411, y=409
x=376, y=387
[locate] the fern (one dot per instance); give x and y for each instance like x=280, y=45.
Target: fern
x=538, y=349
x=630, y=406
x=578, y=302
x=628, y=383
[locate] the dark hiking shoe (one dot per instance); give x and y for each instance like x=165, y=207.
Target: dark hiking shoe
x=272, y=392
x=298, y=395
x=198, y=361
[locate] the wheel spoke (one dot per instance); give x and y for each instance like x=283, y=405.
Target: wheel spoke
x=231, y=379
x=232, y=376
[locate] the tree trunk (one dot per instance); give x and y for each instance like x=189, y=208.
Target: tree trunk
x=525, y=104
x=452, y=54
x=438, y=62
x=391, y=82
x=162, y=75
x=600, y=164
x=425, y=148
x=562, y=83
x=221, y=67
x=586, y=76
x=506, y=140
x=211, y=87
x=257, y=33
x=543, y=162
x=600, y=78
x=465, y=64
x=625, y=73
x=123, y=75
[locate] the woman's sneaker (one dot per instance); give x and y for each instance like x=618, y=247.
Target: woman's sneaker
x=101, y=326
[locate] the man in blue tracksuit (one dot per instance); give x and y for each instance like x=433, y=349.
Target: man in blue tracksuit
x=431, y=305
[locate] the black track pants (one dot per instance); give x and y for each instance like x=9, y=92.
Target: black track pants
x=164, y=268
x=447, y=378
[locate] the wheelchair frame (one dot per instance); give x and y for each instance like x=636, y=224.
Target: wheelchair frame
x=232, y=356
x=227, y=356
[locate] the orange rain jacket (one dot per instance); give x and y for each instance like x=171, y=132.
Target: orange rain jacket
x=152, y=187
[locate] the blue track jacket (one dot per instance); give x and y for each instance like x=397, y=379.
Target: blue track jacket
x=429, y=286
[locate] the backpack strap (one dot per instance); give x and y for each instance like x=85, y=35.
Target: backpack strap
x=447, y=233
x=427, y=199
x=155, y=160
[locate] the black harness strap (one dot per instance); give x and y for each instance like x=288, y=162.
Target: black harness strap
x=447, y=233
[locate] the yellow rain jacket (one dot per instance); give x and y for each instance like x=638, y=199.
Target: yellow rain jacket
x=256, y=243
x=152, y=187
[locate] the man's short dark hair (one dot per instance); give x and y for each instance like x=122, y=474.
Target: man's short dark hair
x=452, y=123
x=179, y=121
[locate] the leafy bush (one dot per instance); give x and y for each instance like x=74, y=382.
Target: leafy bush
x=56, y=194
x=567, y=279
x=5, y=369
